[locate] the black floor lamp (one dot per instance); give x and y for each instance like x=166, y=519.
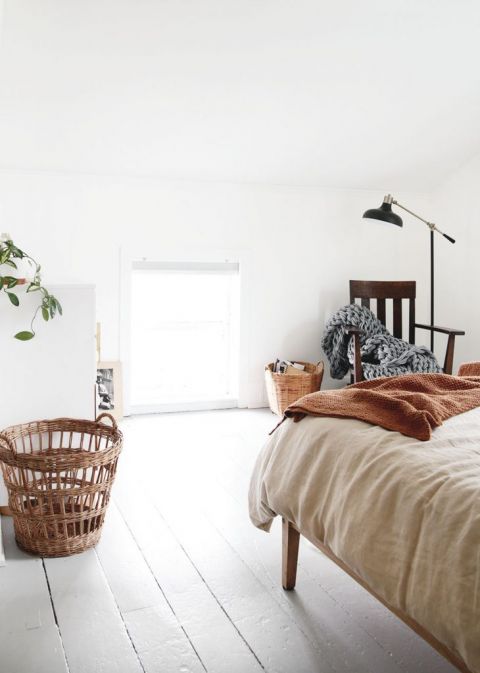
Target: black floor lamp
x=386, y=214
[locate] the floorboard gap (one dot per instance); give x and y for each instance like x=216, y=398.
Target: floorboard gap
x=121, y=615
x=210, y=589
x=55, y=614
x=162, y=591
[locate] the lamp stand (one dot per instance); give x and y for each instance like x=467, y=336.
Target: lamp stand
x=433, y=228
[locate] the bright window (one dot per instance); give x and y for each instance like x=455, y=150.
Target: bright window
x=184, y=335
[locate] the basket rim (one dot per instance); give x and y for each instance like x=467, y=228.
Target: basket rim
x=18, y=429
x=9, y=451
x=319, y=367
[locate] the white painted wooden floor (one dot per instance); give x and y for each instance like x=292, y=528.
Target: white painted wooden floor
x=182, y=582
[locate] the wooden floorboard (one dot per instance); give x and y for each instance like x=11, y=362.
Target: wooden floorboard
x=157, y=636
x=182, y=582
x=94, y=636
x=197, y=609
x=29, y=637
x=33, y=651
x=276, y=641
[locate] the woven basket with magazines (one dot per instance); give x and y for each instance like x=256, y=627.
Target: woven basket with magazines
x=283, y=389
x=59, y=475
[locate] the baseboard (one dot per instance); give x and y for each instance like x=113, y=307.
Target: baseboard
x=207, y=405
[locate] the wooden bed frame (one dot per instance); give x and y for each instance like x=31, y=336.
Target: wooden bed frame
x=290, y=545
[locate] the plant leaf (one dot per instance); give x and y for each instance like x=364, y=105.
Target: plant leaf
x=16, y=252
x=10, y=281
x=10, y=263
x=33, y=287
x=45, y=313
x=24, y=336
x=13, y=298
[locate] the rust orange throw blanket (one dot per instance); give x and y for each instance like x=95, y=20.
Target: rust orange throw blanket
x=414, y=404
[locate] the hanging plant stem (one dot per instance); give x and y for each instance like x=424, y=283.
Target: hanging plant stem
x=49, y=305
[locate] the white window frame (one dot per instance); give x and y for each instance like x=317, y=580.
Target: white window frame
x=213, y=259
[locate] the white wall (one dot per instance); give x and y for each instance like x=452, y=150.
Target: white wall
x=303, y=246
x=455, y=211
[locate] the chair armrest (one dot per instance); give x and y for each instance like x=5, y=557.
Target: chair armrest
x=452, y=333
x=443, y=330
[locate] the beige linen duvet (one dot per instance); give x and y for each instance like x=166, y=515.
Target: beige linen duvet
x=403, y=514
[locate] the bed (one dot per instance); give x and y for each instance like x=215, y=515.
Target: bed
x=401, y=516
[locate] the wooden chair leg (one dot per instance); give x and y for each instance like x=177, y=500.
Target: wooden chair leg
x=448, y=365
x=290, y=543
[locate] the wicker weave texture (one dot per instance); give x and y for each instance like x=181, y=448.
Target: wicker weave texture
x=59, y=474
x=284, y=389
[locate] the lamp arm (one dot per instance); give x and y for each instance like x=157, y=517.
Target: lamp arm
x=430, y=225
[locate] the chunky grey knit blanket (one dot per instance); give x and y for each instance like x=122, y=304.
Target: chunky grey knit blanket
x=382, y=354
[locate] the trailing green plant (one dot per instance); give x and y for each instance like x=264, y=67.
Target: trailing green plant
x=49, y=305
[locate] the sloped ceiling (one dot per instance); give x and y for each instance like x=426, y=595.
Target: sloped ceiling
x=369, y=94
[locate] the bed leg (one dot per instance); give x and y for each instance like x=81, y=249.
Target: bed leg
x=290, y=542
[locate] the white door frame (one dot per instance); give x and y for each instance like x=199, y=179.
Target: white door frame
x=127, y=259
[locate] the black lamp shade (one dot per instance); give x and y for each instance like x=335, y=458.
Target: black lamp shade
x=384, y=213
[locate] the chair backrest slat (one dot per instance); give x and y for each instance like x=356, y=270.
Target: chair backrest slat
x=381, y=310
x=411, y=321
x=366, y=290
x=397, y=318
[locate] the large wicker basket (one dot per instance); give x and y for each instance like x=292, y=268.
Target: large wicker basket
x=283, y=389
x=59, y=475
